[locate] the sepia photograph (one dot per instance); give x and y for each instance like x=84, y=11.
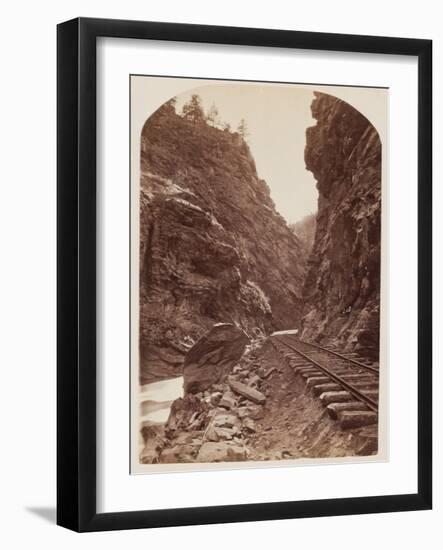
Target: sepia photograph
x=258, y=274
x=244, y=275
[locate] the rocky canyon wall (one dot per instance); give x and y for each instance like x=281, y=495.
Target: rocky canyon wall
x=305, y=231
x=213, y=248
x=342, y=287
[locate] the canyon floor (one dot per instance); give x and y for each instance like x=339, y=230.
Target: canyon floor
x=295, y=423
x=287, y=422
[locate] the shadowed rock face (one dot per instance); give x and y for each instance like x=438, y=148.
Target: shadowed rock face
x=213, y=357
x=212, y=246
x=305, y=231
x=342, y=286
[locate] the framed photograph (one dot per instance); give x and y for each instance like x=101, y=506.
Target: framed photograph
x=244, y=274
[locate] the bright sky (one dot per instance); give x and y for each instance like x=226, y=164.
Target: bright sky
x=277, y=118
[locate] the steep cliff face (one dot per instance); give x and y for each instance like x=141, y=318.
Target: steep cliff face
x=342, y=286
x=305, y=231
x=212, y=246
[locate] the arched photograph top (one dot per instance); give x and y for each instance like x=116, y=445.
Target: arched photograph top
x=258, y=319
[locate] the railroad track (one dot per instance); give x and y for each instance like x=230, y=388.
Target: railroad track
x=348, y=388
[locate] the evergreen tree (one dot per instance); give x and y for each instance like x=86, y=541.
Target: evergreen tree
x=243, y=129
x=212, y=115
x=193, y=110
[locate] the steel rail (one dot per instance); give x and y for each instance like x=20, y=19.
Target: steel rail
x=361, y=365
x=373, y=405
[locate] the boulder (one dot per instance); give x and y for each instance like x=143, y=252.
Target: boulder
x=217, y=434
x=213, y=357
x=246, y=391
x=228, y=401
x=148, y=456
x=253, y=411
x=154, y=439
x=222, y=451
x=256, y=411
x=249, y=424
x=178, y=453
x=243, y=412
x=186, y=412
x=226, y=421
x=211, y=434
x=215, y=398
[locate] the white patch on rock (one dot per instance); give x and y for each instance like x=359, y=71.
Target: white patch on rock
x=215, y=222
x=168, y=186
x=187, y=204
x=263, y=299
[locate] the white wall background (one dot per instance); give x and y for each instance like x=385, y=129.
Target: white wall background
x=27, y=275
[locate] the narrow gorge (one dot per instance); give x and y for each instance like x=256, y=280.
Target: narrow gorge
x=229, y=291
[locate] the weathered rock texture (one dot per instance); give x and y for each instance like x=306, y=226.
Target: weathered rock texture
x=213, y=248
x=342, y=287
x=305, y=231
x=226, y=423
x=213, y=357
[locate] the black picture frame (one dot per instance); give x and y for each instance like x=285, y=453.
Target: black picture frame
x=76, y=266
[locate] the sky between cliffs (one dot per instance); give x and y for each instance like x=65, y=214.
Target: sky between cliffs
x=277, y=118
